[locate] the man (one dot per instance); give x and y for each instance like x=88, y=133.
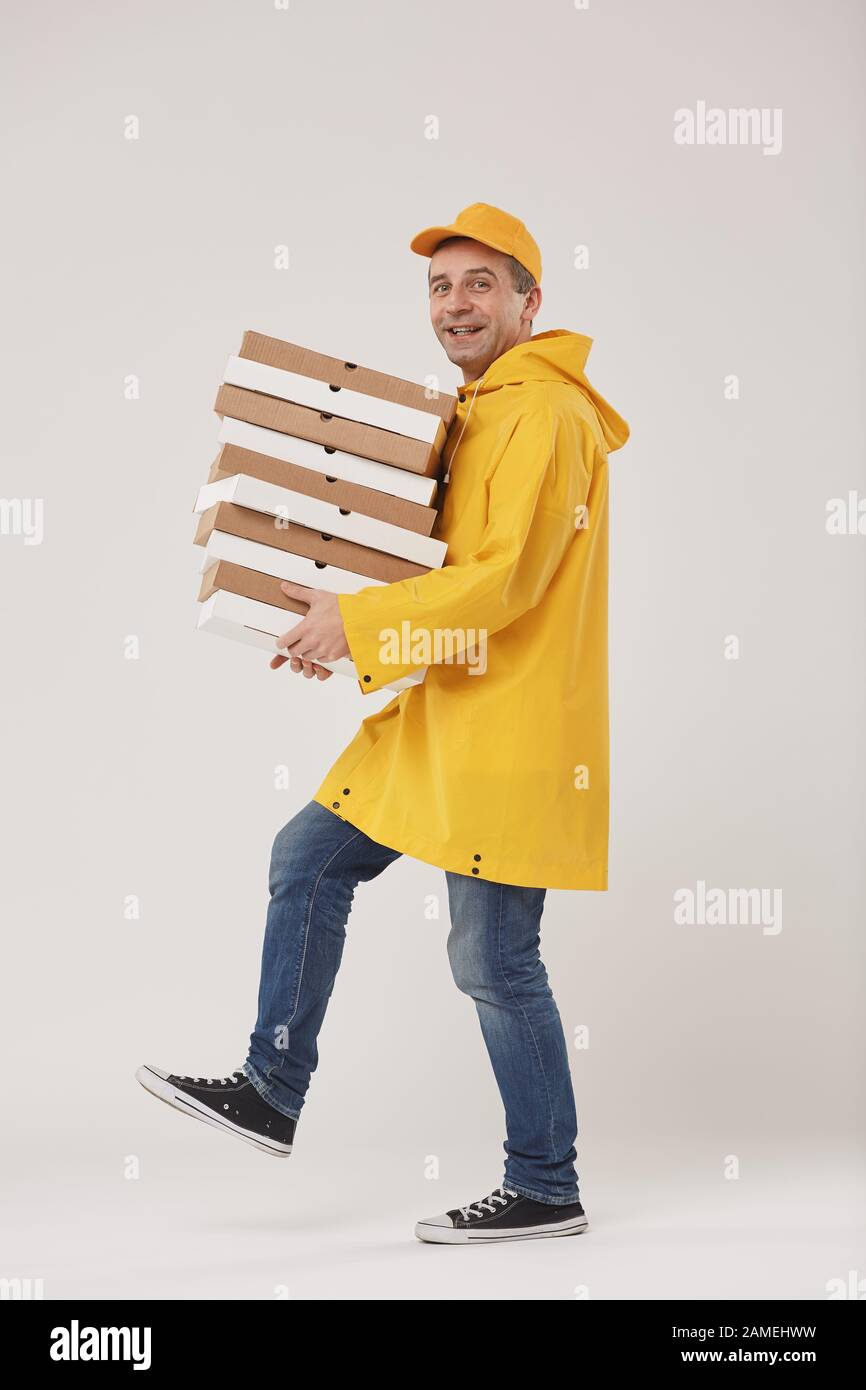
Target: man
x=494, y=769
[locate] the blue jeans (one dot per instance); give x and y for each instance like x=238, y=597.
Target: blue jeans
x=493, y=948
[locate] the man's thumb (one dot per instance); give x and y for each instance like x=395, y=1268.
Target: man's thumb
x=302, y=592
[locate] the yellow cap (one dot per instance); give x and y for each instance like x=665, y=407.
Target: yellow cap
x=491, y=226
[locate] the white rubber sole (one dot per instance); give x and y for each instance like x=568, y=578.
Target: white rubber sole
x=156, y=1081
x=448, y=1235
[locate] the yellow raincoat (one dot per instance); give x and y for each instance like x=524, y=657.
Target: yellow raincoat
x=497, y=764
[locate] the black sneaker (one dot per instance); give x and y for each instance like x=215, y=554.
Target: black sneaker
x=231, y=1103
x=504, y=1215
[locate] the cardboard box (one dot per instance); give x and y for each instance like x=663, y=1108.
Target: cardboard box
x=282, y=564
x=335, y=463
x=237, y=579
x=345, y=459
x=291, y=358
x=414, y=455
x=350, y=496
x=258, y=624
x=323, y=517
x=300, y=540
x=336, y=400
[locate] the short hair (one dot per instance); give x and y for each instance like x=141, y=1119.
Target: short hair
x=524, y=280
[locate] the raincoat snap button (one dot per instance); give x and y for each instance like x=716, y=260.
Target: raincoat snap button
x=475, y=871
x=461, y=397
x=368, y=678
x=335, y=804
x=476, y=856
x=345, y=791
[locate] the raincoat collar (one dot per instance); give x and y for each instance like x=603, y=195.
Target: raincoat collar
x=555, y=355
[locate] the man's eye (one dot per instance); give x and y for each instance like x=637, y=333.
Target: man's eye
x=482, y=282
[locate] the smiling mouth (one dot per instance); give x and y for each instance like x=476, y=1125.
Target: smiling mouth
x=464, y=331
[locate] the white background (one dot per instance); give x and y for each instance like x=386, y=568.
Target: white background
x=307, y=128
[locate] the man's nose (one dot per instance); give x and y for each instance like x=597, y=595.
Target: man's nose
x=457, y=302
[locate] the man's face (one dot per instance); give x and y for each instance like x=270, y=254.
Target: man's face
x=471, y=288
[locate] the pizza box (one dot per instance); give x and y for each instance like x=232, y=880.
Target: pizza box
x=334, y=463
x=350, y=496
x=334, y=431
x=258, y=624
x=324, y=517
x=300, y=540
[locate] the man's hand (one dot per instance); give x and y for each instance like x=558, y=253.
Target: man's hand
x=319, y=636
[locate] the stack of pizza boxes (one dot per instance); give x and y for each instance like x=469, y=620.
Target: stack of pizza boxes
x=326, y=476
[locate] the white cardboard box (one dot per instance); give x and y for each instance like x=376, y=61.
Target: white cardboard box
x=323, y=517
x=351, y=405
x=349, y=468
x=258, y=624
x=282, y=564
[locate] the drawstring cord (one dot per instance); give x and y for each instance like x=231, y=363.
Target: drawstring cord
x=447, y=477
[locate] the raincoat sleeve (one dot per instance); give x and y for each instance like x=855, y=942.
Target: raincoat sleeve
x=536, y=495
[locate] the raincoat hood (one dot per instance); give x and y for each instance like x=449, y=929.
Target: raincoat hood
x=557, y=355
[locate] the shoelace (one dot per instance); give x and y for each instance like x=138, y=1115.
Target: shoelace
x=472, y=1209
x=215, y=1080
